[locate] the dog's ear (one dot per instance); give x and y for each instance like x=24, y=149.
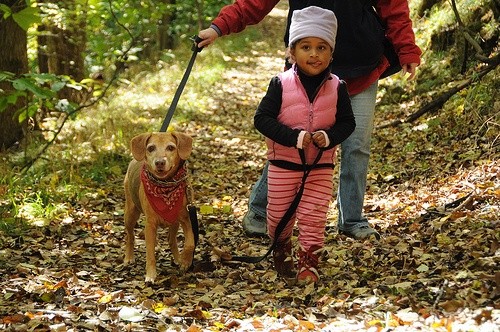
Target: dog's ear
x=184, y=144
x=138, y=146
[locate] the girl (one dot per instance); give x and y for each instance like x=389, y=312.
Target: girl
x=305, y=109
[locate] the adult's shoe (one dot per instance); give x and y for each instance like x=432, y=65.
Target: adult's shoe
x=254, y=225
x=361, y=232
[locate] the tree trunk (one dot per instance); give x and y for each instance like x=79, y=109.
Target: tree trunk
x=61, y=46
x=165, y=38
x=199, y=11
x=13, y=58
x=42, y=54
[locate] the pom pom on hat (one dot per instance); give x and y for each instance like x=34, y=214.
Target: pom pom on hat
x=313, y=22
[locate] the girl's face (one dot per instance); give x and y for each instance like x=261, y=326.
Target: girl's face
x=312, y=55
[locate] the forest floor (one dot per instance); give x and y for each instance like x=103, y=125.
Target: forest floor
x=434, y=269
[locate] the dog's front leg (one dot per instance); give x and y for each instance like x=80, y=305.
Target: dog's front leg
x=150, y=238
x=172, y=242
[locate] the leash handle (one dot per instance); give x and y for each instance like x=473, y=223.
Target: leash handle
x=178, y=93
x=196, y=40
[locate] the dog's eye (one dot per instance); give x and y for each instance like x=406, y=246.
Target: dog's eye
x=151, y=148
x=170, y=148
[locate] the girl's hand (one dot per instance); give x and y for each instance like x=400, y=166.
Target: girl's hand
x=319, y=139
x=306, y=141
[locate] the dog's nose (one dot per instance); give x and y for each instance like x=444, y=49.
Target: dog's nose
x=160, y=163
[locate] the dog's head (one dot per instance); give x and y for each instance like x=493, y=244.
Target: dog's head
x=162, y=152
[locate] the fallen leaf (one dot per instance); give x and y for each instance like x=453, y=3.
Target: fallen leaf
x=452, y=305
x=130, y=314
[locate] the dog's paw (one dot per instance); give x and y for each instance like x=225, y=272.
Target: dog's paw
x=184, y=265
x=185, y=260
x=128, y=261
x=149, y=280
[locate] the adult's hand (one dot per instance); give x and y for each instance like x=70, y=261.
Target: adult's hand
x=208, y=36
x=409, y=68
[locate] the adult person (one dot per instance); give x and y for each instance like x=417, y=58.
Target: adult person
x=305, y=113
x=360, y=58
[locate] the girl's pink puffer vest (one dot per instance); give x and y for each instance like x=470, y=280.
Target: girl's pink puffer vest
x=298, y=113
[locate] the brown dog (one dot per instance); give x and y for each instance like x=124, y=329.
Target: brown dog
x=155, y=184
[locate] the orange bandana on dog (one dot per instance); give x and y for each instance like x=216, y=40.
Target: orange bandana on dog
x=165, y=196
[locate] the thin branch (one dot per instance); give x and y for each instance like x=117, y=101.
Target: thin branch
x=440, y=293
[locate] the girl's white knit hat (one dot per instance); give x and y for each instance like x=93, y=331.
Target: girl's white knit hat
x=313, y=22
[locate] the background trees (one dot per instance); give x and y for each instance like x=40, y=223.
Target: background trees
x=72, y=39
x=62, y=41
x=59, y=52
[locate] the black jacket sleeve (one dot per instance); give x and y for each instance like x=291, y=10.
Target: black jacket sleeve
x=344, y=119
x=266, y=117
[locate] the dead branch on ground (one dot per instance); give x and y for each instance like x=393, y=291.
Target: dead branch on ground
x=438, y=102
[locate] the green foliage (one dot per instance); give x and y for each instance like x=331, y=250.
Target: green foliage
x=40, y=89
x=118, y=33
x=49, y=191
x=24, y=18
x=10, y=224
x=40, y=208
x=13, y=227
x=114, y=27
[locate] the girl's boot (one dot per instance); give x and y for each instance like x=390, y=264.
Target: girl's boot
x=283, y=259
x=308, y=264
